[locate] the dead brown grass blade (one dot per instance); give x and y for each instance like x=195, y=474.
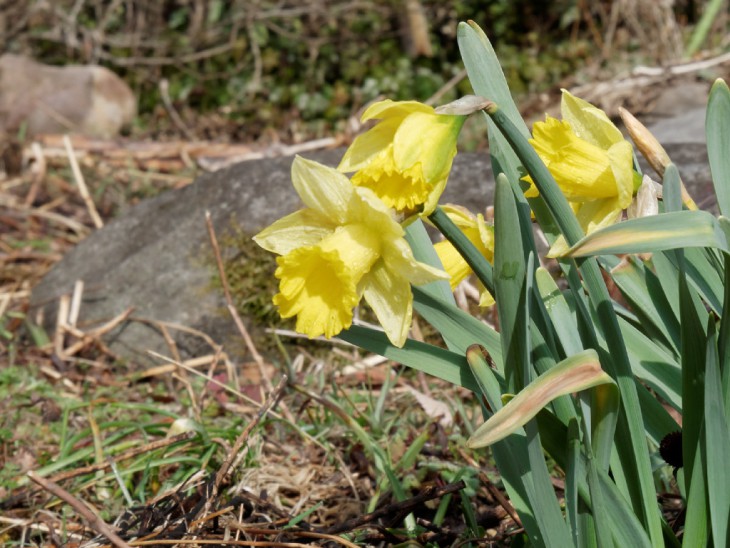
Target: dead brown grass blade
x=95, y=522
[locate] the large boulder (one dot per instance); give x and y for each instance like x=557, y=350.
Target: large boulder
x=86, y=99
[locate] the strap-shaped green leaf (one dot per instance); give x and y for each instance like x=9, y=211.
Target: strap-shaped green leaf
x=458, y=328
x=509, y=266
x=576, y=373
x=430, y=359
x=717, y=128
x=655, y=233
x=717, y=444
x=487, y=79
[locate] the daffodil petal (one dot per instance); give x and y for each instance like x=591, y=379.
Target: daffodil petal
x=581, y=169
x=404, y=191
x=391, y=299
x=434, y=196
x=367, y=147
x=398, y=258
x=592, y=216
x=322, y=188
x=406, y=158
x=315, y=286
x=620, y=156
x=429, y=139
x=301, y=228
x=588, y=122
x=486, y=238
x=396, y=109
x=459, y=215
x=558, y=249
x=368, y=209
x=454, y=264
x=595, y=215
x=486, y=299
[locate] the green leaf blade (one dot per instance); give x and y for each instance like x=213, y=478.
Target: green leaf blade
x=655, y=233
x=717, y=129
x=573, y=374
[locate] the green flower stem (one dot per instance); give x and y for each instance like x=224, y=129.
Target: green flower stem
x=549, y=189
x=633, y=454
x=478, y=263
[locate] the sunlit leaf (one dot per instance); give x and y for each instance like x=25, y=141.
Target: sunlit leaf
x=576, y=373
x=656, y=233
x=717, y=128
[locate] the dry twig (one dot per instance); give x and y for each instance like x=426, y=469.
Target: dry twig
x=83, y=189
x=95, y=522
x=236, y=317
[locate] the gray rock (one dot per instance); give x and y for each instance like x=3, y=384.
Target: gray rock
x=156, y=257
x=686, y=127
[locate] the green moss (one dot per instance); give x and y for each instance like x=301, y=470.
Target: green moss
x=250, y=272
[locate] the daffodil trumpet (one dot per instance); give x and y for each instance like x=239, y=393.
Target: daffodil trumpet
x=343, y=246
x=590, y=161
x=406, y=157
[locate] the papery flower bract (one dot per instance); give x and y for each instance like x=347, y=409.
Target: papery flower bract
x=591, y=162
x=406, y=157
x=480, y=234
x=343, y=246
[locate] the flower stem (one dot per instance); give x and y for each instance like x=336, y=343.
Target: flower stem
x=545, y=182
x=471, y=254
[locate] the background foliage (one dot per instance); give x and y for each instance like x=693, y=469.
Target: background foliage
x=303, y=66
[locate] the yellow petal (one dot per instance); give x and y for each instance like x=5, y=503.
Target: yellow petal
x=391, y=299
x=485, y=299
x=302, y=228
x=581, y=169
x=406, y=158
x=453, y=263
x=315, y=287
x=486, y=238
x=367, y=209
x=399, y=259
x=589, y=123
x=393, y=109
x=428, y=139
x=366, y=147
x=595, y=215
x=621, y=159
x=322, y=188
x=478, y=233
x=592, y=216
x=401, y=190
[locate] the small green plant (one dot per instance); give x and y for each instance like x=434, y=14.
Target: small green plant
x=574, y=373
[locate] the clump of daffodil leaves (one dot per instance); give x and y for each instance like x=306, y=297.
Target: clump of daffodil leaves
x=570, y=372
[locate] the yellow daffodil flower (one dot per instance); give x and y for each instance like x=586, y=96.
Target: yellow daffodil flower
x=344, y=245
x=591, y=162
x=480, y=234
x=405, y=158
